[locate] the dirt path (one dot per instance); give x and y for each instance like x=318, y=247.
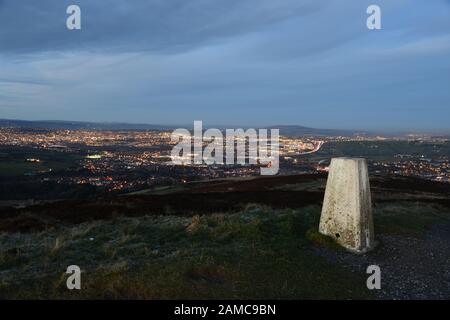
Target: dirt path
x=411, y=268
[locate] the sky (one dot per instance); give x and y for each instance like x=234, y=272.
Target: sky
x=228, y=62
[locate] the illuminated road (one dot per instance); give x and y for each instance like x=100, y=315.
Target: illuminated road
x=317, y=147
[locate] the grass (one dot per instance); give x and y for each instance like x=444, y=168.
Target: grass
x=319, y=239
x=9, y=168
x=256, y=253
x=408, y=218
x=317, y=185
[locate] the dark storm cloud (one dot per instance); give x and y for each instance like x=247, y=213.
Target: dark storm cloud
x=28, y=26
x=310, y=62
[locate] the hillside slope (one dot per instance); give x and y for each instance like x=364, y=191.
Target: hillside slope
x=253, y=238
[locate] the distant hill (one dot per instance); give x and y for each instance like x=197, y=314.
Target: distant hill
x=79, y=125
x=286, y=130
x=298, y=131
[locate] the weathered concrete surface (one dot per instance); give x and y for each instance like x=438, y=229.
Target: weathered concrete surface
x=347, y=208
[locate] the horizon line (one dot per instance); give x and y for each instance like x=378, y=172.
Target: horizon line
x=179, y=125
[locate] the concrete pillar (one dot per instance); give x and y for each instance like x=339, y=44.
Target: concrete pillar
x=347, y=207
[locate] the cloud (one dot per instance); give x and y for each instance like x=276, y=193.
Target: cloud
x=124, y=26
x=227, y=62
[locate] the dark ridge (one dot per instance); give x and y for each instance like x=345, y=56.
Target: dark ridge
x=207, y=198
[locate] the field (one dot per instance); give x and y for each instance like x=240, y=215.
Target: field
x=147, y=247
x=13, y=161
x=382, y=150
x=256, y=253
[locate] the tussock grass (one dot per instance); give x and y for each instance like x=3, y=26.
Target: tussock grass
x=258, y=252
x=319, y=239
x=408, y=218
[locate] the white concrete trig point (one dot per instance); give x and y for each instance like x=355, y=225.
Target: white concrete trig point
x=347, y=206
